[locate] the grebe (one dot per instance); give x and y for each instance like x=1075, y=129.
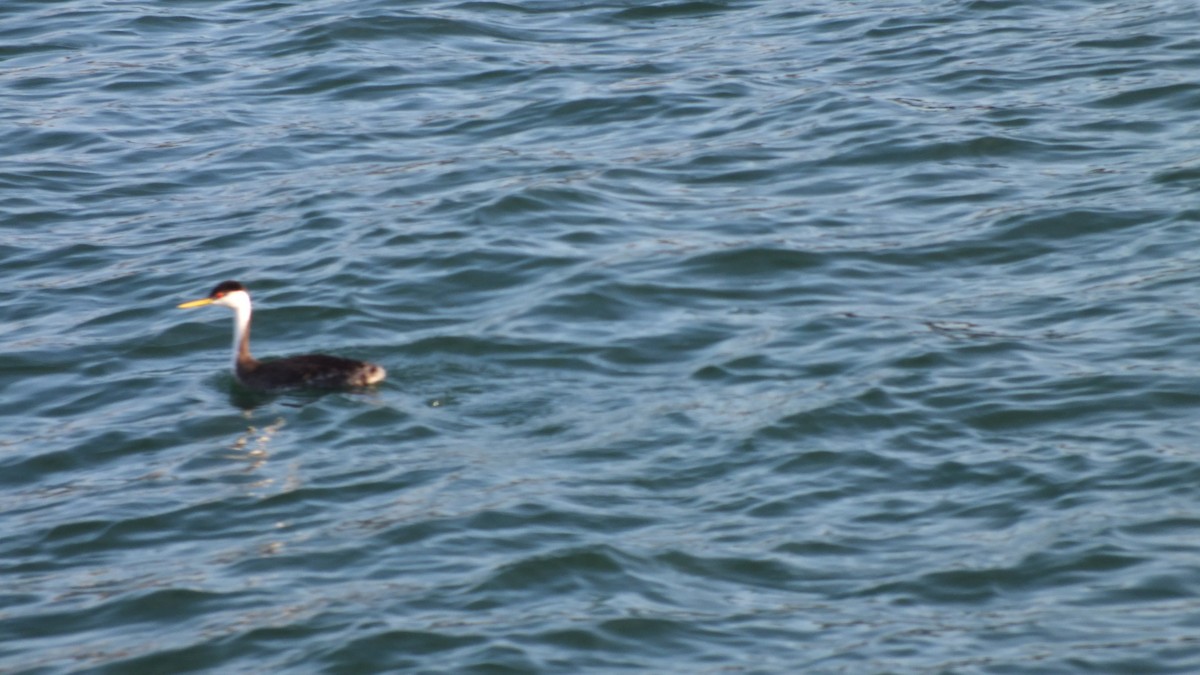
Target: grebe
x=310, y=370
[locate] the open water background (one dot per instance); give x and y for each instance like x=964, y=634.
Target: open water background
x=751, y=336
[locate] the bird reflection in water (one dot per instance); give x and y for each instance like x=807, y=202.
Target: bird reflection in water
x=252, y=445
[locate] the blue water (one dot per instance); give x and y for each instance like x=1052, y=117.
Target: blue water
x=723, y=337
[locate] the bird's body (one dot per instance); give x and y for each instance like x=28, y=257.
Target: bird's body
x=319, y=371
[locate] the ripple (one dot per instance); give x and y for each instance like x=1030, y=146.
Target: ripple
x=721, y=336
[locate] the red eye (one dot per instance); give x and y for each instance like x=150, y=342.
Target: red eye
x=219, y=294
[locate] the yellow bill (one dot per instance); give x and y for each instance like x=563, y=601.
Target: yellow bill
x=196, y=303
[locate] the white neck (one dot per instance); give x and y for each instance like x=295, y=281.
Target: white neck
x=239, y=302
x=241, y=326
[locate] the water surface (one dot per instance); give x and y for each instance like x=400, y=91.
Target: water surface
x=755, y=337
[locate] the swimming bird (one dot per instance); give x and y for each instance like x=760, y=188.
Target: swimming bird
x=310, y=370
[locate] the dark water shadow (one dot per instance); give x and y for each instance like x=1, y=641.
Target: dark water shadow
x=249, y=400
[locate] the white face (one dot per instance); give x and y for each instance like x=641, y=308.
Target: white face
x=234, y=300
